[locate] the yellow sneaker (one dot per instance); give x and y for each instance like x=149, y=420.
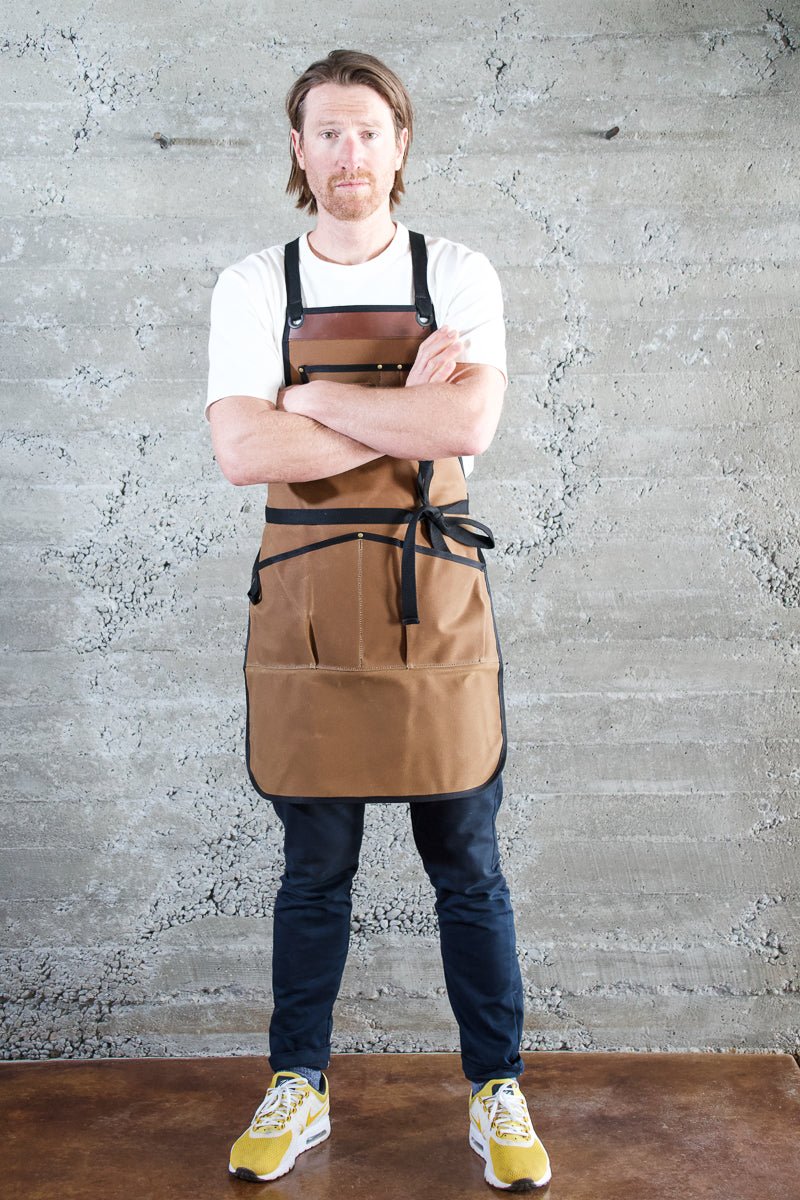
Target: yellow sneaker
x=292, y=1117
x=500, y=1130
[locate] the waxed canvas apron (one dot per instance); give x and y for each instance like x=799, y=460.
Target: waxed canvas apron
x=372, y=667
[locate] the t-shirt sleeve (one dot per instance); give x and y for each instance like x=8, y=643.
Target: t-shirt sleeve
x=474, y=308
x=244, y=358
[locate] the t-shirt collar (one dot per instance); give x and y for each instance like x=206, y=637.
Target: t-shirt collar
x=397, y=248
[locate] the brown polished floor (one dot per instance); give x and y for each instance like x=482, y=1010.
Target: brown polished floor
x=627, y=1126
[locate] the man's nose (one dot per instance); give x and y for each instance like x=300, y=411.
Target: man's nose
x=351, y=151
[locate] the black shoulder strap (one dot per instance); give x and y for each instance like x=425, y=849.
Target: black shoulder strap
x=291, y=269
x=419, y=262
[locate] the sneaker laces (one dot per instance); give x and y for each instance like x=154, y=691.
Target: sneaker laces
x=278, y=1105
x=508, y=1112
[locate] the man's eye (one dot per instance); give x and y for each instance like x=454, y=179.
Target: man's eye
x=328, y=132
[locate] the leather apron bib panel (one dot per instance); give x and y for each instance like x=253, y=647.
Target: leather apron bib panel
x=372, y=667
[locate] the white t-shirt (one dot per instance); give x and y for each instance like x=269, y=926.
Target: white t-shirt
x=248, y=307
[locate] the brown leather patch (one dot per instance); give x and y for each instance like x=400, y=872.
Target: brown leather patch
x=361, y=324
x=384, y=340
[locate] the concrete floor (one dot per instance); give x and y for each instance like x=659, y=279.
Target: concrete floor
x=628, y=1126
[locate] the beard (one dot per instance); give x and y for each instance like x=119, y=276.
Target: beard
x=350, y=204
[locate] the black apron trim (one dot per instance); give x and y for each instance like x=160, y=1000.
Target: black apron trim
x=350, y=516
x=340, y=368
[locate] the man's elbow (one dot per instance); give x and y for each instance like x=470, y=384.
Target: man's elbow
x=235, y=472
x=483, y=407
x=480, y=434
x=237, y=425
x=231, y=462
x=481, y=429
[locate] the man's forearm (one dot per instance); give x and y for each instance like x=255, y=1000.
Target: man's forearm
x=431, y=420
x=268, y=445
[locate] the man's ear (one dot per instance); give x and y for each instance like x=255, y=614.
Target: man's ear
x=402, y=142
x=297, y=144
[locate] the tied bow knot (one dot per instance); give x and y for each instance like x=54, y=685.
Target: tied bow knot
x=437, y=524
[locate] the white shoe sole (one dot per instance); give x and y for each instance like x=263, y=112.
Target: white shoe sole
x=478, y=1144
x=313, y=1136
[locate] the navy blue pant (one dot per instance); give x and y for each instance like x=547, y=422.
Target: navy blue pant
x=457, y=842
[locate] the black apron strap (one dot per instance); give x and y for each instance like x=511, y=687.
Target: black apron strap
x=419, y=262
x=354, y=515
x=291, y=269
x=294, y=302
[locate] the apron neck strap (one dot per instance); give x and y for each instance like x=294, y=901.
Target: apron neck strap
x=291, y=269
x=419, y=263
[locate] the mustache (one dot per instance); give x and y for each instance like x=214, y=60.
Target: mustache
x=334, y=179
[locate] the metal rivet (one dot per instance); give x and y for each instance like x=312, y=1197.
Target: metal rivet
x=380, y=366
x=399, y=366
x=360, y=535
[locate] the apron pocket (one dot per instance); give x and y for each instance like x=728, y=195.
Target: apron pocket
x=308, y=613
x=453, y=603
x=383, y=633
x=371, y=374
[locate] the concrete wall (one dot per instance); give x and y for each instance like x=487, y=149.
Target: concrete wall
x=643, y=488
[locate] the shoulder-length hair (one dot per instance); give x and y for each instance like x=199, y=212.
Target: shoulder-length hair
x=346, y=67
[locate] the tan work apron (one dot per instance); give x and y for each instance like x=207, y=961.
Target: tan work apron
x=372, y=666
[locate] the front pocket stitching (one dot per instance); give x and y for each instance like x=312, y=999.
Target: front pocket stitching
x=360, y=602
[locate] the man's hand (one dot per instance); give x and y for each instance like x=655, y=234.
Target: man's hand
x=436, y=358
x=280, y=399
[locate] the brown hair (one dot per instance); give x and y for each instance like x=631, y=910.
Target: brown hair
x=346, y=67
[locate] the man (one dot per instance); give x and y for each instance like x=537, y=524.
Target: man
x=372, y=666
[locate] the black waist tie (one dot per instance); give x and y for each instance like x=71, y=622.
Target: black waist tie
x=440, y=521
x=438, y=524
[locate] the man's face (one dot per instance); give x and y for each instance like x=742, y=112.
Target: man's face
x=348, y=150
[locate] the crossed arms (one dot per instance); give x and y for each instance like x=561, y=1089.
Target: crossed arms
x=318, y=429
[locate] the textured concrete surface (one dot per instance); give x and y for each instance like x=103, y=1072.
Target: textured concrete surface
x=643, y=490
